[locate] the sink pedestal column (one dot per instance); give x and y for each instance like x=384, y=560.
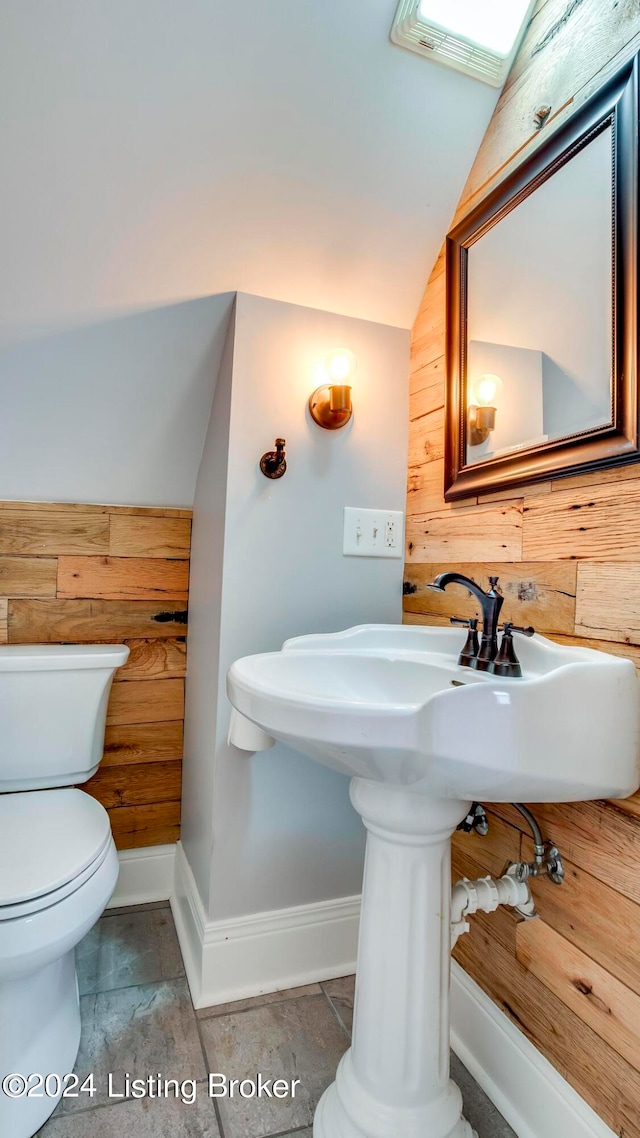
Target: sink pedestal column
x=394, y=1080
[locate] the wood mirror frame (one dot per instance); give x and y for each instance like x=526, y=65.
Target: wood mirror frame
x=614, y=105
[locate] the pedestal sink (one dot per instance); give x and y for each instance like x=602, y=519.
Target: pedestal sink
x=421, y=738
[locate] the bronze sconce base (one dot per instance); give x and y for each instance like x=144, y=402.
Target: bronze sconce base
x=330, y=406
x=482, y=421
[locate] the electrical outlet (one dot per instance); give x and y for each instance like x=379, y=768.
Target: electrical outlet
x=373, y=533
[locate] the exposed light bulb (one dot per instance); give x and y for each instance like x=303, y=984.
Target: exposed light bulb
x=341, y=365
x=484, y=390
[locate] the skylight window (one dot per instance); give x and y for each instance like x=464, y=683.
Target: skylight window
x=479, y=37
x=494, y=24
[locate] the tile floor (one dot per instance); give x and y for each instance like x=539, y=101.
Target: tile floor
x=137, y=1017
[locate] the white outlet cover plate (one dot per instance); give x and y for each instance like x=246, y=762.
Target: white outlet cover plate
x=373, y=533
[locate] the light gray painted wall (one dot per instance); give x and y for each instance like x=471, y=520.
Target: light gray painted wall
x=114, y=411
x=276, y=829
x=205, y=617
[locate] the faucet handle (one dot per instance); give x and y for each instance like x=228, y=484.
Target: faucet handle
x=506, y=662
x=471, y=645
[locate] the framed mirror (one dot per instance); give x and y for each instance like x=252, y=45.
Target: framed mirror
x=542, y=299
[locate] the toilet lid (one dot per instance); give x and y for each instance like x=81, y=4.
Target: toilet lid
x=47, y=838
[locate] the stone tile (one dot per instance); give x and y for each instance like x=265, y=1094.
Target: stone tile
x=143, y=1030
x=478, y=1109
x=259, y=1001
x=298, y=1039
x=144, y=1118
x=341, y=993
x=129, y=948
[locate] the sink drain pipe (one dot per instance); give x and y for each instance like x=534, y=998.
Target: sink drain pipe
x=486, y=894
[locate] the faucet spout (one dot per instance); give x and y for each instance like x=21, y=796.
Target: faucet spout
x=490, y=603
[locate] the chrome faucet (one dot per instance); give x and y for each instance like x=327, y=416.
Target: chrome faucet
x=490, y=604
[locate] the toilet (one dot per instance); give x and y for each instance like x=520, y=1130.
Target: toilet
x=58, y=863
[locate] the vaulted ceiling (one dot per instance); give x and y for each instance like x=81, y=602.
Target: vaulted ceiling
x=155, y=151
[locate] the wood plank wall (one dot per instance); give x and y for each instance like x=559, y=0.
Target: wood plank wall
x=84, y=574
x=568, y=555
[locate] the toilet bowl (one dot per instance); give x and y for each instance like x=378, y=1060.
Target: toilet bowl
x=39, y=1005
x=58, y=867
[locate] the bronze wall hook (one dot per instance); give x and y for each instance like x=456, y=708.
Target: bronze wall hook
x=273, y=464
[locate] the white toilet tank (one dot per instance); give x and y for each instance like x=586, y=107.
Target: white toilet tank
x=53, y=707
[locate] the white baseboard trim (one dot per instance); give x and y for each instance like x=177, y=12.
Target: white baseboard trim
x=145, y=875
x=535, y=1100
x=265, y=952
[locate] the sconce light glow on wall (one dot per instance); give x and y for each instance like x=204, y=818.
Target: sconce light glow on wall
x=330, y=404
x=483, y=392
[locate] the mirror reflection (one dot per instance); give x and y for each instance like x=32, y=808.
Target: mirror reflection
x=539, y=313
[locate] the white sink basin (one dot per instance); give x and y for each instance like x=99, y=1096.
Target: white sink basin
x=390, y=703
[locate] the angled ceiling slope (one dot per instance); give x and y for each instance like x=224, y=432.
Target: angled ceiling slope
x=160, y=151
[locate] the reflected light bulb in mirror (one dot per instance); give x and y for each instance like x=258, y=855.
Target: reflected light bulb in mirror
x=484, y=390
x=341, y=366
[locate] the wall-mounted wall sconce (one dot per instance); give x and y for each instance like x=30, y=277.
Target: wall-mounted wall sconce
x=330, y=404
x=482, y=411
